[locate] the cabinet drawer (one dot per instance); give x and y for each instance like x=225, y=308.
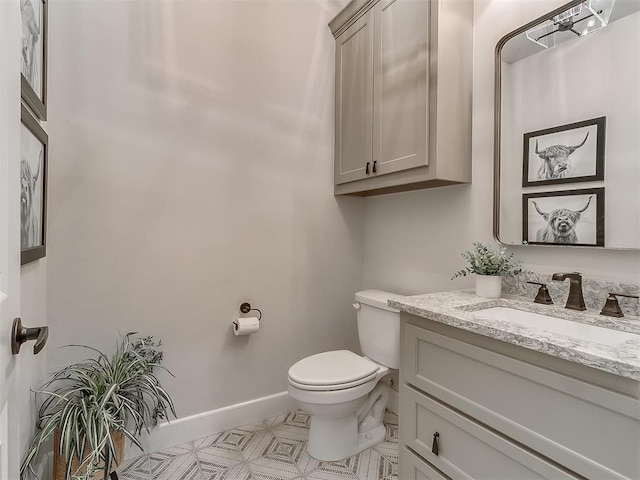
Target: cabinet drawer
x=467, y=450
x=413, y=467
x=590, y=430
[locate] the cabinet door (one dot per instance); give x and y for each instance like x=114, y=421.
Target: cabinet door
x=466, y=450
x=354, y=101
x=401, y=72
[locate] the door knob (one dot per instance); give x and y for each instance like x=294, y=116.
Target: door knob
x=20, y=334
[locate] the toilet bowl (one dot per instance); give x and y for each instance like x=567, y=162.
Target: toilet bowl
x=342, y=390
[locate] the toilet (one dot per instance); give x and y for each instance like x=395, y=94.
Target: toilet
x=341, y=390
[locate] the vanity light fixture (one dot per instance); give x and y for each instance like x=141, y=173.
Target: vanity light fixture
x=578, y=21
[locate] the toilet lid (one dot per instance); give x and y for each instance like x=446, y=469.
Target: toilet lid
x=337, y=367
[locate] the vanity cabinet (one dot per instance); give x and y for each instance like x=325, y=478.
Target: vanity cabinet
x=502, y=411
x=403, y=78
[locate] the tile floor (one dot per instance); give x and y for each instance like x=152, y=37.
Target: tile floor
x=272, y=450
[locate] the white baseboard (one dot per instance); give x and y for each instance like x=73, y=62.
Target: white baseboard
x=203, y=424
x=207, y=423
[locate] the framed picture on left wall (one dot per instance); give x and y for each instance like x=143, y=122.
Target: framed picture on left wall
x=34, y=55
x=33, y=188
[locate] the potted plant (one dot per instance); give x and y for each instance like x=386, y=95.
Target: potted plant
x=90, y=407
x=489, y=266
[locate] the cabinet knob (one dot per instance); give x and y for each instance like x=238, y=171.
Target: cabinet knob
x=366, y=169
x=434, y=447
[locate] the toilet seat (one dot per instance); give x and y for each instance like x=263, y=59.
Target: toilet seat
x=334, y=370
x=339, y=386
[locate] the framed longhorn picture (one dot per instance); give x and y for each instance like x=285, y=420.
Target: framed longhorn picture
x=33, y=188
x=566, y=154
x=570, y=217
x=33, y=66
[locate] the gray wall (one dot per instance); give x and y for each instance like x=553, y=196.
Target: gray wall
x=412, y=241
x=191, y=159
x=191, y=169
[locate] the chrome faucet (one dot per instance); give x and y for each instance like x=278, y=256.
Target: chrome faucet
x=575, y=300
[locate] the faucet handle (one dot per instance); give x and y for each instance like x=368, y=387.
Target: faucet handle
x=543, y=295
x=612, y=307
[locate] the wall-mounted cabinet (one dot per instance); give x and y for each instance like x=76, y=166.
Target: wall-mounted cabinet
x=403, y=95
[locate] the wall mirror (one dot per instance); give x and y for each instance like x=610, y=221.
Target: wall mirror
x=567, y=128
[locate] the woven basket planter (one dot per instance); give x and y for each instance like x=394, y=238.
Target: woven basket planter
x=59, y=465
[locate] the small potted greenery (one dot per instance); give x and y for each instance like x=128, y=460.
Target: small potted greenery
x=90, y=407
x=489, y=266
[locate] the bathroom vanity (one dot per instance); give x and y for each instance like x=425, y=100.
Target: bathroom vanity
x=504, y=389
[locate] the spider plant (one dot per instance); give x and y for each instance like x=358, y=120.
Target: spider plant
x=86, y=404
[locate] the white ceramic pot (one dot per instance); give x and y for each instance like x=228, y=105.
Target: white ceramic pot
x=489, y=286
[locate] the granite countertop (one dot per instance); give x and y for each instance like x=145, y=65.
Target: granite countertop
x=460, y=309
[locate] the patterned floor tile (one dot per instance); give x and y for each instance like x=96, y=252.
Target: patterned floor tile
x=135, y=469
x=178, y=449
x=172, y=467
x=286, y=432
x=270, y=469
x=346, y=467
x=374, y=466
x=389, y=450
x=277, y=420
x=273, y=450
x=237, y=472
x=322, y=475
x=390, y=418
x=292, y=430
x=210, y=441
x=234, y=441
x=297, y=421
x=259, y=443
x=215, y=459
x=298, y=451
x=391, y=434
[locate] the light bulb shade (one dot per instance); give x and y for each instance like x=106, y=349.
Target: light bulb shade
x=578, y=21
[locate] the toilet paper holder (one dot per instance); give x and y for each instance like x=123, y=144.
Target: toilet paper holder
x=245, y=307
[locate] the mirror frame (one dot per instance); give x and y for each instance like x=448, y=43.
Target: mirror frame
x=497, y=124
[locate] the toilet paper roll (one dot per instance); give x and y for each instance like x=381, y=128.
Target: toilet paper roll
x=245, y=325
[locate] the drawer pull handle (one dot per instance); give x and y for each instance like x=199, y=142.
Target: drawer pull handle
x=366, y=169
x=434, y=447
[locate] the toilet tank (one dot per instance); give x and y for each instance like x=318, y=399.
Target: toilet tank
x=378, y=327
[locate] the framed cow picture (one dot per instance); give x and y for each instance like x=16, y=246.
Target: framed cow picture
x=566, y=154
x=33, y=66
x=33, y=188
x=571, y=217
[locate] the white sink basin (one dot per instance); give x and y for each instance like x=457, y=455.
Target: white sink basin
x=582, y=331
